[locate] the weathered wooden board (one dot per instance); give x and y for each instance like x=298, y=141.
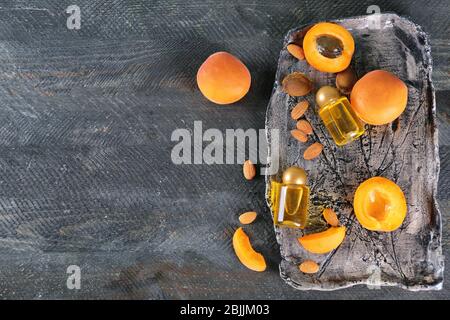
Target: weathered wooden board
x=85, y=123
x=405, y=151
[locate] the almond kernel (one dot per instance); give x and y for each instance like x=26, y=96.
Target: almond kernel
x=345, y=80
x=249, y=170
x=309, y=266
x=296, y=51
x=299, y=109
x=313, y=151
x=330, y=217
x=299, y=135
x=304, y=126
x=247, y=217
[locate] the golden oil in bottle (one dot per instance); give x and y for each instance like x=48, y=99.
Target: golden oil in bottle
x=289, y=204
x=338, y=116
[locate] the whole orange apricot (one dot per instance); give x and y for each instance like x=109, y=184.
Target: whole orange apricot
x=379, y=204
x=223, y=78
x=379, y=97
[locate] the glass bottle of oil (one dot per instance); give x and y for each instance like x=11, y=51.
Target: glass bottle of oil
x=338, y=116
x=289, y=199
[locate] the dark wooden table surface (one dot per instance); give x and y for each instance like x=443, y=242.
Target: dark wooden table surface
x=86, y=118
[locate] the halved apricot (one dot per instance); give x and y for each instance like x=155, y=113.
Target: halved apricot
x=245, y=252
x=328, y=47
x=323, y=242
x=379, y=204
x=223, y=78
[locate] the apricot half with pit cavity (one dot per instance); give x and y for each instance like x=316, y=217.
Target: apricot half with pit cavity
x=379, y=204
x=328, y=47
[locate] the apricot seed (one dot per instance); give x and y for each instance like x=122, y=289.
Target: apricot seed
x=330, y=217
x=296, y=51
x=296, y=84
x=247, y=217
x=309, y=266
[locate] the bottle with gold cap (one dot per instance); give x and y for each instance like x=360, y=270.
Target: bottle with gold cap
x=289, y=199
x=338, y=116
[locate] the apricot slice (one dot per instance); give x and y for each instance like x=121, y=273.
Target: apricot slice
x=245, y=252
x=323, y=242
x=380, y=204
x=379, y=97
x=328, y=47
x=223, y=78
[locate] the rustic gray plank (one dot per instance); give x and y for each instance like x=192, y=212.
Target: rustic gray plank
x=85, y=124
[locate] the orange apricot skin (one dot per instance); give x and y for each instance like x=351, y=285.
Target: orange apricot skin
x=379, y=97
x=323, y=242
x=320, y=62
x=223, y=78
x=245, y=252
x=396, y=213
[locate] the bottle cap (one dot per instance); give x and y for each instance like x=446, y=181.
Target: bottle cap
x=326, y=94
